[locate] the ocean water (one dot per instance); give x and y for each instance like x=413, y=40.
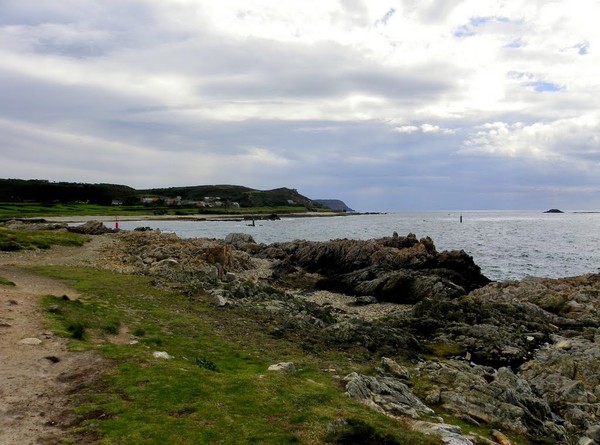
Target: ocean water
x=506, y=245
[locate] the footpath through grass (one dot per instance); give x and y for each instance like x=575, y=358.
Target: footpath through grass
x=216, y=388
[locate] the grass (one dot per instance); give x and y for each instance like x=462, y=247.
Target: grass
x=10, y=210
x=6, y=282
x=216, y=388
x=14, y=240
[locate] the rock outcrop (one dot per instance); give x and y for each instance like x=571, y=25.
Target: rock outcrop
x=520, y=357
x=396, y=269
x=90, y=228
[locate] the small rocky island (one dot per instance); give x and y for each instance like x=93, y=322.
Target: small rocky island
x=515, y=359
x=554, y=211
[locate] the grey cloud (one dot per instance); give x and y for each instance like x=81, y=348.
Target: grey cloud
x=273, y=70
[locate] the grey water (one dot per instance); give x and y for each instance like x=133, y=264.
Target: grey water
x=506, y=245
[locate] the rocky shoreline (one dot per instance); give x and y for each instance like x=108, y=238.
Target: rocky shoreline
x=512, y=360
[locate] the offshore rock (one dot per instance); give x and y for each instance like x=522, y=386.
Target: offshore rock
x=396, y=269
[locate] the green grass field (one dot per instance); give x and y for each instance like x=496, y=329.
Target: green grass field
x=216, y=389
x=10, y=210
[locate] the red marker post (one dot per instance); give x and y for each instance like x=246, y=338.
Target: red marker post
x=116, y=223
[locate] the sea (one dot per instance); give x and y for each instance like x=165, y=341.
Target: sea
x=506, y=245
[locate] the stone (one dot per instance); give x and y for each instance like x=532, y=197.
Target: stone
x=239, y=239
x=449, y=434
x=386, y=395
x=593, y=432
x=162, y=355
x=30, y=341
x=218, y=299
x=389, y=366
x=283, y=367
x=365, y=300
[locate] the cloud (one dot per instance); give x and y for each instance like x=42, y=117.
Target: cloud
x=384, y=104
x=572, y=142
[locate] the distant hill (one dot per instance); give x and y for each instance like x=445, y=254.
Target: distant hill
x=244, y=196
x=39, y=190
x=334, y=204
x=43, y=191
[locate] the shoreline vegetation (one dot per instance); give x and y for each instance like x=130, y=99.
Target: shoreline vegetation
x=340, y=342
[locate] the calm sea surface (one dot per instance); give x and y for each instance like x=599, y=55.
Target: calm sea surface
x=506, y=245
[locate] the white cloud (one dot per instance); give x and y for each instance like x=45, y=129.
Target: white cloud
x=573, y=142
x=203, y=88
x=423, y=128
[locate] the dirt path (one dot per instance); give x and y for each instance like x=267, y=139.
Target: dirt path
x=39, y=377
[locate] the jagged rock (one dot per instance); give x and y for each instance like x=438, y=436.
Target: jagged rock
x=493, y=397
x=239, y=239
x=386, y=395
x=396, y=269
x=567, y=375
x=90, y=228
x=390, y=367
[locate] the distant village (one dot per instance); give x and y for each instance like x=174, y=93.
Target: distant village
x=206, y=202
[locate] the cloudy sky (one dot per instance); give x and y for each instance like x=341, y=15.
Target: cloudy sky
x=386, y=104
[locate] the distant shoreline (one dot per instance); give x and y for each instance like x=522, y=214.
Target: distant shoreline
x=198, y=218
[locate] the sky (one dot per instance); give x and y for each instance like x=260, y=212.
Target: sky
x=389, y=105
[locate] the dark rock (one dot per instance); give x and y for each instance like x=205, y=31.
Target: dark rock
x=365, y=300
x=554, y=211
x=90, y=228
x=396, y=269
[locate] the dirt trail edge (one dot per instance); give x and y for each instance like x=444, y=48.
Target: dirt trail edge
x=39, y=377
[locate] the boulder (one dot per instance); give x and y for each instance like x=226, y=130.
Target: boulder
x=239, y=239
